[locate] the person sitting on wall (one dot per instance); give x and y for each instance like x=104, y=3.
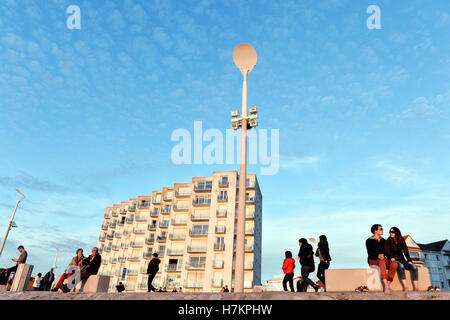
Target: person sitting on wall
x=91, y=264
x=4, y=277
x=76, y=261
x=120, y=287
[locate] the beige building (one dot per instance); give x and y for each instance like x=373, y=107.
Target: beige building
x=192, y=227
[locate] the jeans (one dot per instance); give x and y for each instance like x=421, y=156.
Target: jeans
x=149, y=283
x=305, y=271
x=288, y=277
x=321, y=270
x=402, y=265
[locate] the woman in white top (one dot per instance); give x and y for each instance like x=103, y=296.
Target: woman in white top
x=37, y=282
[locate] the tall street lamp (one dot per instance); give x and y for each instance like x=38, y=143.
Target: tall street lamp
x=245, y=58
x=11, y=223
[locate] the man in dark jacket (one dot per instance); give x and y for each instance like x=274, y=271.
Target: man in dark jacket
x=305, y=256
x=22, y=259
x=91, y=264
x=152, y=269
x=376, y=257
x=48, y=280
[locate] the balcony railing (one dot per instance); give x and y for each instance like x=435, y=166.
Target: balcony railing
x=217, y=283
x=193, y=284
x=164, y=224
x=198, y=233
x=161, y=238
x=141, y=218
x=130, y=220
x=132, y=208
x=107, y=216
x=177, y=236
x=136, y=244
x=123, y=211
x=248, y=266
x=179, y=222
x=183, y=194
x=143, y=205
x=113, y=225
x=219, y=246
x=199, y=217
x=107, y=249
x=102, y=238
x=113, y=260
x=149, y=240
x=166, y=210
x=224, y=183
x=118, y=235
x=121, y=223
x=167, y=198
x=222, y=198
x=175, y=252
x=203, y=187
x=195, y=266
x=174, y=267
x=138, y=231
x=151, y=227
x=127, y=232
x=221, y=229
x=249, y=231
x=121, y=259
x=114, y=213
x=132, y=272
x=160, y=254
x=218, y=264
x=115, y=248
x=147, y=255
x=124, y=245
x=199, y=249
x=105, y=226
x=221, y=213
x=249, y=247
x=155, y=200
x=201, y=202
x=180, y=207
x=154, y=213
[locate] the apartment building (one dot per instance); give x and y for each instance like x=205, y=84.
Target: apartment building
x=436, y=257
x=192, y=227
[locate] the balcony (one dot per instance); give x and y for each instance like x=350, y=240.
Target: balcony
x=107, y=216
x=151, y=227
x=121, y=223
x=221, y=229
x=248, y=185
x=218, y=264
x=107, y=249
x=129, y=220
x=183, y=194
x=118, y=235
x=250, y=199
x=138, y=231
x=164, y=224
x=160, y=254
x=180, y=207
x=136, y=244
x=175, y=252
x=166, y=210
x=150, y=241
x=144, y=205
x=132, y=272
x=217, y=283
x=250, y=215
x=248, y=266
x=193, y=284
x=222, y=198
x=124, y=245
x=249, y=247
x=121, y=259
x=141, y=218
x=127, y=232
x=199, y=217
x=104, y=226
x=196, y=249
x=113, y=225
x=198, y=233
x=201, y=202
x=195, y=266
x=179, y=222
x=161, y=238
x=132, y=208
x=154, y=213
x=147, y=255
x=156, y=201
x=249, y=231
x=113, y=260
x=224, y=184
x=173, y=267
x=102, y=238
x=115, y=248
x=177, y=236
x=221, y=214
x=207, y=187
x=123, y=211
x=114, y=213
x=134, y=258
x=167, y=198
x=219, y=246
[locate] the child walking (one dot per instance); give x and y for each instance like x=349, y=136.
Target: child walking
x=288, y=269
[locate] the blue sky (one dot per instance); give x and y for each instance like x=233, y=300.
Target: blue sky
x=86, y=115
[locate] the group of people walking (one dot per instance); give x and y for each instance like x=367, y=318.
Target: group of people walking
x=306, y=259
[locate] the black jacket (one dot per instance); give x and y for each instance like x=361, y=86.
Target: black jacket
x=153, y=266
x=48, y=280
x=324, y=251
x=398, y=251
x=94, y=265
x=306, y=256
x=374, y=248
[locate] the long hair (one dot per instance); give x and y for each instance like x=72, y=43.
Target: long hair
x=288, y=255
x=303, y=241
x=323, y=239
x=398, y=238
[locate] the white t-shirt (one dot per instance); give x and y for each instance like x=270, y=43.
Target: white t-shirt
x=37, y=282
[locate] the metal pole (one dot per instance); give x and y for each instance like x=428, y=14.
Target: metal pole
x=240, y=236
x=11, y=220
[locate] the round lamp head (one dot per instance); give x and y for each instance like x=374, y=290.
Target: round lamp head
x=245, y=57
x=312, y=240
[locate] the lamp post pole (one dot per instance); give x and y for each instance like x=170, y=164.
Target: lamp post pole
x=11, y=221
x=240, y=235
x=245, y=58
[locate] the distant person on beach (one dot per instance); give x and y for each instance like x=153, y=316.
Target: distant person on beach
x=180, y=290
x=174, y=289
x=397, y=250
x=152, y=269
x=323, y=252
x=4, y=277
x=305, y=256
x=76, y=261
x=226, y=289
x=375, y=246
x=48, y=280
x=37, y=282
x=120, y=287
x=288, y=269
